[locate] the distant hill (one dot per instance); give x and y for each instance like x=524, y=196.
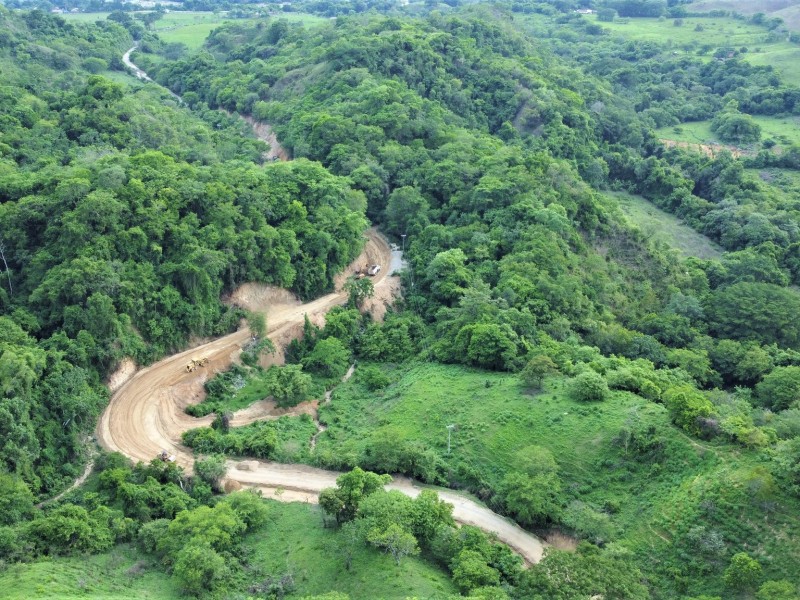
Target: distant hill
x=788, y=10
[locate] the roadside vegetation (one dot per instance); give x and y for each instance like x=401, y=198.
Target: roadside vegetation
x=554, y=357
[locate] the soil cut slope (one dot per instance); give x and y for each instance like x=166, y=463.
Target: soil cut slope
x=146, y=414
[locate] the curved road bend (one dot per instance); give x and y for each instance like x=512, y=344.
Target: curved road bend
x=146, y=416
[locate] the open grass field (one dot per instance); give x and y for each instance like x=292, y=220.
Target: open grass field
x=653, y=504
x=788, y=10
x=85, y=17
x=784, y=130
x=192, y=28
x=662, y=226
x=716, y=32
x=295, y=541
x=121, y=574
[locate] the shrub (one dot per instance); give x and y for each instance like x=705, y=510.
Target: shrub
x=588, y=387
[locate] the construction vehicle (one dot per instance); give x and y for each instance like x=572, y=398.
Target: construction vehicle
x=195, y=363
x=164, y=456
x=368, y=269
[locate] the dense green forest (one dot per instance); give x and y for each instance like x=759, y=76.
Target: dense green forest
x=605, y=386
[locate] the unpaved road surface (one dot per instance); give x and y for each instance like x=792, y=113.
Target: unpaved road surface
x=126, y=59
x=146, y=414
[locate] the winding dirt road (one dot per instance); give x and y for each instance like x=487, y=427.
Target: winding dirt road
x=146, y=413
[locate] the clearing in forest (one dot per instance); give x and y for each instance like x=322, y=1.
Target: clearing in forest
x=702, y=36
x=785, y=131
x=662, y=226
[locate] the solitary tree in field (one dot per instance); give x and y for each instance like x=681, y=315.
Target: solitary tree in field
x=537, y=369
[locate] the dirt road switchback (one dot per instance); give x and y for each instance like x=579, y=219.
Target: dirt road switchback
x=146, y=414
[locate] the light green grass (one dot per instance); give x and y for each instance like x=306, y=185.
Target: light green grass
x=662, y=226
x=192, y=36
x=495, y=418
x=787, y=180
x=295, y=540
x=494, y=415
x=85, y=17
x=784, y=130
x=717, y=32
x=193, y=28
x=112, y=575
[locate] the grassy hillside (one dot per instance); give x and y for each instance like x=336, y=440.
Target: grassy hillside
x=294, y=541
x=654, y=501
x=763, y=47
x=785, y=131
x=661, y=226
x=122, y=574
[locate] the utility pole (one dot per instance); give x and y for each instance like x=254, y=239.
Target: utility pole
x=449, y=431
x=403, y=235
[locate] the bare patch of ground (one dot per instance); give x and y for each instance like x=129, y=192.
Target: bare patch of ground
x=561, y=541
x=125, y=370
x=264, y=132
x=710, y=150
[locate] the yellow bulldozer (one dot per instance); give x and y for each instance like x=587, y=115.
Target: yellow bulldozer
x=195, y=363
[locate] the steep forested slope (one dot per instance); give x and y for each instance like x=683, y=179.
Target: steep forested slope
x=123, y=218
x=489, y=152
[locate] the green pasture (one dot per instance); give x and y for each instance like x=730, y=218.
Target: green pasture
x=661, y=226
x=121, y=574
x=787, y=180
x=763, y=47
x=495, y=417
x=192, y=28
x=784, y=130
x=85, y=17
x=295, y=541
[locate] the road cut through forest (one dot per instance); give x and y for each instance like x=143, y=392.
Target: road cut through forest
x=146, y=414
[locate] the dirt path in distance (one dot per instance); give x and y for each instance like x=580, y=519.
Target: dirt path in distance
x=264, y=132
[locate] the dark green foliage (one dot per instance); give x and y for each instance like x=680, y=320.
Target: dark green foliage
x=688, y=408
x=283, y=437
x=756, y=311
x=537, y=369
x=211, y=470
x=780, y=389
x=16, y=500
x=329, y=358
x=743, y=573
x=565, y=575
x=732, y=126
x=532, y=500
x=358, y=291
x=351, y=488
x=289, y=385
x=72, y=529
